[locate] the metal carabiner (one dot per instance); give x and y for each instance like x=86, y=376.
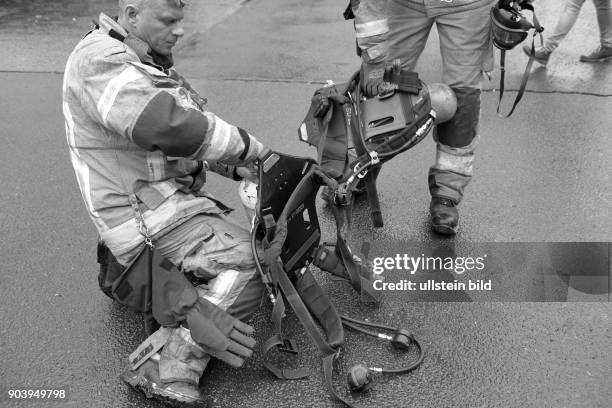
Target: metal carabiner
x=144, y=231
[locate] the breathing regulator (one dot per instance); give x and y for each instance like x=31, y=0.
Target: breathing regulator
x=359, y=377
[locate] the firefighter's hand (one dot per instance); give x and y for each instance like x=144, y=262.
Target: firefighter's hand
x=219, y=334
x=371, y=79
x=250, y=173
x=320, y=104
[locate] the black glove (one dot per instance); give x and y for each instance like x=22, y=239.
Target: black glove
x=371, y=78
x=176, y=301
x=320, y=103
x=219, y=334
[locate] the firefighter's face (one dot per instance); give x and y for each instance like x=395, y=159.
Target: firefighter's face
x=157, y=22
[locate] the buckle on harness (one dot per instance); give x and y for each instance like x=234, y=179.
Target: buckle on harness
x=341, y=194
x=287, y=347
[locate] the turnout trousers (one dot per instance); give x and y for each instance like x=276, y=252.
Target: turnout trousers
x=216, y=250
x=466, y=49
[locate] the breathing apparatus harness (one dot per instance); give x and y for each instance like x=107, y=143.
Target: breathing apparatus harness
x=510, y=28
x=343, y=123
x=286, y=223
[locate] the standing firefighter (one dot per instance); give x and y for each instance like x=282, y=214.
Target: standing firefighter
x=398, y=29
x=140, y=143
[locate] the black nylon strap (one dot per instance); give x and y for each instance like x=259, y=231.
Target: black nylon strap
x=370, y=183
x=247, y=143
x=320, y=306
x=327, y=260
x=306, y=301
x=360, y=283
x=502, y=63
x=301, y=311
x=406, y=81
x=524, y=80
x=328, y=374
x=278, y=312
x=328, y=353
x=282, y=373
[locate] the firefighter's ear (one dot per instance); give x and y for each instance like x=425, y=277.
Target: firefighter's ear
x=131, y=14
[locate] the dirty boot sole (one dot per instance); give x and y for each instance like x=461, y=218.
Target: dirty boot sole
x=154, y=391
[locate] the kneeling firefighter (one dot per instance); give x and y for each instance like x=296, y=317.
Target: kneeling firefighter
x=194, y=327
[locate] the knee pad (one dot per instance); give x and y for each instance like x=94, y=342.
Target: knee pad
x=463, y=127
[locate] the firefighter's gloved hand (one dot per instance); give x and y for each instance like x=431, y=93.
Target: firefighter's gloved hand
x=219, y=334
x=175, y=300
x=251, y=171
x=371, y=79
x=321, y=104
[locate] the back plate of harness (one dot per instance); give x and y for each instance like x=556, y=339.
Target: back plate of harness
x=287, y=223
x=280, y=175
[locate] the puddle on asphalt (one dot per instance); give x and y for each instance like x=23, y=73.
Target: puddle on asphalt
x=26, y=13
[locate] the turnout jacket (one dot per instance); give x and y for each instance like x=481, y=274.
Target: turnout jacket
x=135, y=128
x=372, y=29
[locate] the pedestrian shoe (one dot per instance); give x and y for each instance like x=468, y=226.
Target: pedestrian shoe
x=599, y=54
x=177, y=394
x=541, y=56
x=444, y=216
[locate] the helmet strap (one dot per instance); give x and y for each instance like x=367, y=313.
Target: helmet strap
x=538, y=31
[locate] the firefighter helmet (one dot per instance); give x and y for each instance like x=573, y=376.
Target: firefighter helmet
x=510, y=26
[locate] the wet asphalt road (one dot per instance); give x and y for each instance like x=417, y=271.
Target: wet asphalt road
x=541, y=176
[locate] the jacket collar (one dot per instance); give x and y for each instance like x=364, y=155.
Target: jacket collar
x=146, y=55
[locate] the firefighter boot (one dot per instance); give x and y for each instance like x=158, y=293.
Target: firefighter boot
x=446, y=188
x=173, y=377
x=444, y=215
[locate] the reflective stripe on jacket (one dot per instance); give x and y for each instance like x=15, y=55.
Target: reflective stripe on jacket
x=134, y=127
